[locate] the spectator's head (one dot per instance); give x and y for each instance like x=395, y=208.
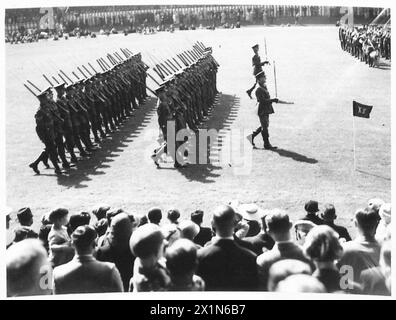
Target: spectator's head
x=59, y=217
x=100, y=211
x=173, y=215
x=366, y=221
x=197, y=217
x=111, y=213
x=278, y=225
x=329, y=213
x=83, y=239
x=385, y=213
x=322, y=244
x=120, y=231
x=301, y=228
x=282, y=269
x=77, y=220
x=224, y=221
x=311, y=207
x=143, y=221
x=250, y=212
x=154, y=215
x=45, y=220
x=27, y=263
x=23, y=232
x=181, y=258
x=147, y=242
x=101, y=226
x=300, y=283
x=375, y=203
x=188, y=229
x=25, y=217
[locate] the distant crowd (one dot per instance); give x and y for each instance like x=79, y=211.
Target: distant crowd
x=366, y=43
x=245, y=249
x=21, y=23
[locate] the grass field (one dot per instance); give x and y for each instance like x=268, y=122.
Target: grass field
x=314, y=136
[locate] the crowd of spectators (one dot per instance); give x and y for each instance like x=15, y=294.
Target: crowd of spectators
x=367, y=43
x=245, y=249
x=22, y=23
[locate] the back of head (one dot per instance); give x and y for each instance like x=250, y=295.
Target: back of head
x=100, y=211
x=282, y=269
x=322, y=245
x=79, y=219
x=188, y=229
x=197, y=216
x=83, y=239
x=173, y=215
x=329, y=212
x=26, y=262
x=181, y=257
x=146, y=241
x=278, y=222
x=57, y=214
x=301, y=283
x=120, y=230
x=224, y=220
x=154, y=215
x=25, y=216
x=367, y=220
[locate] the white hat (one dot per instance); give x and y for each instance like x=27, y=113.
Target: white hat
x=188, y=228
x=385, y=210
x=375, y=203
x=250, y=211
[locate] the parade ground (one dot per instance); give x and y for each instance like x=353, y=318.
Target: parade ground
x=314, y=136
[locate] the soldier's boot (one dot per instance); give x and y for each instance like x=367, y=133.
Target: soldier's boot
x=267, y=144
x=34, y=165
x=65, y=163
x=80, y=148
x=251, y=137
x=101, y=132
x=44, y=159
x=55, y=164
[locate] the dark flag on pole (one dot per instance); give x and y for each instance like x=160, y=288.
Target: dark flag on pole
x=361, y=110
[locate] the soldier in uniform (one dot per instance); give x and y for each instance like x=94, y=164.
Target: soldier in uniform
x=46, y=132
x=264, y=110
x=64, y=109
x=257, y=67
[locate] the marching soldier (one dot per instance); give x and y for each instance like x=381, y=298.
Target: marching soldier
x=257, y=67
x=46, y=132
x=264, y=110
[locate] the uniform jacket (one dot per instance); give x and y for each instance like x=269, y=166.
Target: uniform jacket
x=264, y=100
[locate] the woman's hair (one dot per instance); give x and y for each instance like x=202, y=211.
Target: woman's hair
x=322, y=245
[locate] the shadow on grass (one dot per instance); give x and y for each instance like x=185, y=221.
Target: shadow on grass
x=223, y=114
x=109, y=149
x=295, y=156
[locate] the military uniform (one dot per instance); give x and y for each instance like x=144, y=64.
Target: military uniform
x=257, y=67
x=264, y=110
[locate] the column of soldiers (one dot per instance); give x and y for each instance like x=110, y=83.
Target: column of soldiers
x=186, y=99
x=92, y=107
x=367, y=43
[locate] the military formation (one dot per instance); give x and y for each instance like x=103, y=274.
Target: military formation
x=84, y=112
x=367, y=43
x=185, y=96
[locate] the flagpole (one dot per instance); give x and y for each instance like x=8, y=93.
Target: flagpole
x=354, y=143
